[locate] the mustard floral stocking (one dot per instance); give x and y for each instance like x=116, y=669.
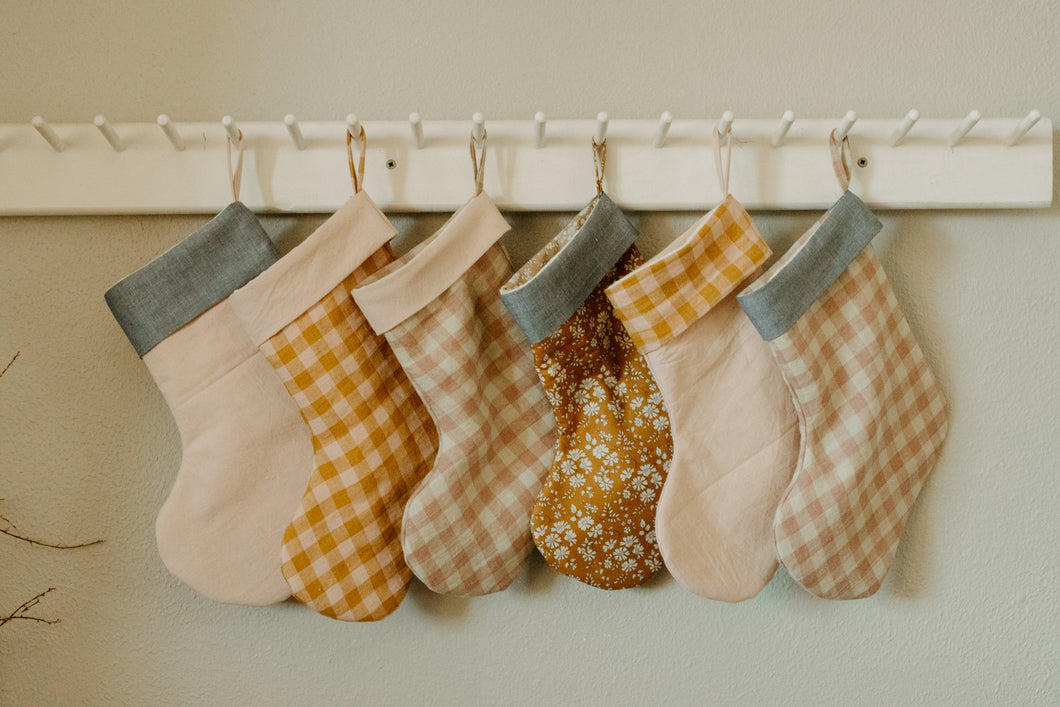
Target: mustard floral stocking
x=595, y=517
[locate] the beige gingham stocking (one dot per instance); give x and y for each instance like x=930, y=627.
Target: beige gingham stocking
x=871, y=414
x=466, y=529
x=372, y=437
x=734, y=427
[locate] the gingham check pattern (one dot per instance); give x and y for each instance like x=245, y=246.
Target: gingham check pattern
x=373, y=441
x=660, y=299
x=872, y=420
x=466, y=529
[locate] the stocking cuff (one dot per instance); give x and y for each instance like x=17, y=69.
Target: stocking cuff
x=666, y=295
x=780, y=297
x=192, y=276
x=315, y=267
x=401, y=288
x=550, y=288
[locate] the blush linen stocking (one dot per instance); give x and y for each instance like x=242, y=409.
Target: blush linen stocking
x=595, y=517
x=466, y=528
x=372, y=438
x=246, y=453
x=734, y=427
x=871, y=414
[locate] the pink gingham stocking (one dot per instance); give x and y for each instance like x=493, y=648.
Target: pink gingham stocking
x=871, y=414
x=466, y=528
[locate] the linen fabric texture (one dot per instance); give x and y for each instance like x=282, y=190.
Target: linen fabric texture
x=190, y=277
x=245, y=452
x=373, y=439
x=594, y=519
x=871, y=414
x=466, y=527
x=734, y=426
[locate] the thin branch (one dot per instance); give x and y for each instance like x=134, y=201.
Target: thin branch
x=40, y=543
x=20, y=612
x=9, y=364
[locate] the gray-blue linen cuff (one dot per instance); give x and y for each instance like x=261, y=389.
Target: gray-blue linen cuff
x=192, y=276
x=790, y=287
x=555, y=292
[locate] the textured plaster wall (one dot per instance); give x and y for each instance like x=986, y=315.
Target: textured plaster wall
x=970, y=612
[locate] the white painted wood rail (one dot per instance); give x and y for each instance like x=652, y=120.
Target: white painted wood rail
x=668, y=164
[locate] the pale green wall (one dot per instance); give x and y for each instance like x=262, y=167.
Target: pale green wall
x=970, y=613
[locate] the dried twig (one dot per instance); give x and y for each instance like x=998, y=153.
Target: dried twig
x=9, y=364
x=20, y=612
x=40, y=543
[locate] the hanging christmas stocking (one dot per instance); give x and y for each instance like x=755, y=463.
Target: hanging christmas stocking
x=466, y=529
x=734, y=427
x=871, y=413
x=373, y=439
x=246, y=453
x=595, y=517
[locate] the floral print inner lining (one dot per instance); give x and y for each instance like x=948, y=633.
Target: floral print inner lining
x=595, y=517
x=550, y=250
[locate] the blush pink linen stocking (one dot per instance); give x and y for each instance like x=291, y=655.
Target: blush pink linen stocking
x=734, y=427
x=246, y=453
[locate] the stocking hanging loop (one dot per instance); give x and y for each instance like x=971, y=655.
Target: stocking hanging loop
x=599, y=163
x=356, y=173
x=726, y=169
x=478, y=162
x=236, y=177
x=839, y=159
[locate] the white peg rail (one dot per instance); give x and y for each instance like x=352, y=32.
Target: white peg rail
x=530, y=165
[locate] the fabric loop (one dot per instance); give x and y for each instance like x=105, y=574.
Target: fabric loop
x=236, y=178
x=356, y=174
x=839, y=162
x=599, y=163
x=478, y=163
x=723, y=172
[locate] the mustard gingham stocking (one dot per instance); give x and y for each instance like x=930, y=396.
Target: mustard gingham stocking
x=373, y=439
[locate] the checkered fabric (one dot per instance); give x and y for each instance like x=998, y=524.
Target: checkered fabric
x=661, y=299
x=466, y=529
x=872, y=419
x=373, y=440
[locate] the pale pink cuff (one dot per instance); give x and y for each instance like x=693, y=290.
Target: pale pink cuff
x=315, y=267
x=400, y=289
